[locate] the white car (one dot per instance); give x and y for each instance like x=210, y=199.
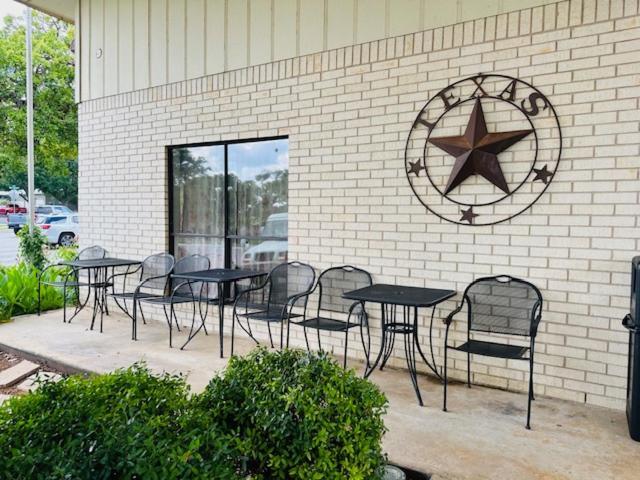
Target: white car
x=60, y=229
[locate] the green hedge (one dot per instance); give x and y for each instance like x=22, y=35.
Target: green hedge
x=287, y=415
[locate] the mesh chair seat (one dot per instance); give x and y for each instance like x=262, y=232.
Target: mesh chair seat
x=492, y=349
x=75, y=283
x=272, y=315
x=328, y=324
x=130, y=295
x=167, y=300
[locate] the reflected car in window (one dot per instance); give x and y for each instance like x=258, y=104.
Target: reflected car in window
x=269, y=252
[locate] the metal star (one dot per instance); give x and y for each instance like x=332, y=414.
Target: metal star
x=468, y=215
x=477, y=151
x=415, y=167
x=542, y=174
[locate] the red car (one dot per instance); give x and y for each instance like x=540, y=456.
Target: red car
x=11, y=208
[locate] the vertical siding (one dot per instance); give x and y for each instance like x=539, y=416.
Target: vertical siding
x=141, y=45
x=311, y=27
x=215, y=35
x=176, y=40
x=340, y=23
x=237, y=34
x=153, y=42
x=84, y=30
x=260, y=31
x=96, y=65
x=195, y=47
x=125, y=45
x=110, y=55
x=371, y=20
x=285, y=24
x=158, y=41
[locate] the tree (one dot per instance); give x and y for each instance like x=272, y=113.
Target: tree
x=55, y=113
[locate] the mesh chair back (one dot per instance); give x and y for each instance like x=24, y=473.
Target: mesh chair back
x=334, y=282
x=95, y=252
x=158, y=265
x=503, y=305
x=287, y=280
x=191, y=263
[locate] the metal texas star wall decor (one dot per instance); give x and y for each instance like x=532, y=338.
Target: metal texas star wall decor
x=483, y=150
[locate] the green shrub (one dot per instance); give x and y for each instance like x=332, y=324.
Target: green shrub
x=19, y=290
x=294, y=415
x=31, y=247
x=128, y=424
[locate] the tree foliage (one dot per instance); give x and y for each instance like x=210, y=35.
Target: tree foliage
x=55, y=113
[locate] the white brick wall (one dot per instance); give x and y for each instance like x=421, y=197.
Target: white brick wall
x=348, y=112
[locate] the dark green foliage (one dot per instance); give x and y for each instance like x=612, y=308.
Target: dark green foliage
x=31, y=247
x=288, y=415
x=128, y=424
x=293, y=415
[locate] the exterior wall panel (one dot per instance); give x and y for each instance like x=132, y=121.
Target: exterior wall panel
x=215, y=34
x=158, y=42
x=141, y=44
x=237, y=34
x=285, y=27
x=176, y=40
x=126, y=67
x=195, y=46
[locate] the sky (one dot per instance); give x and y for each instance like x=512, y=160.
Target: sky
x=9, y=7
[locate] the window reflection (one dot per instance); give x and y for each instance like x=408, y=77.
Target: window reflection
x=256, y=197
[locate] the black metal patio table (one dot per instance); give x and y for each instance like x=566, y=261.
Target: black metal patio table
x=100, y=267
x=221, y=277
x=390, y=297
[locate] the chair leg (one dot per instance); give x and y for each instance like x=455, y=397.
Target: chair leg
x=133, y=321
x=288, y=331
x=64, y=303
x=468, y=369
x=144, y=320
x=346, y=343
x=233, y=329
x=530, y=396
x=444, y=402
x=306, y=338
x=270, y=336
x=39, y=295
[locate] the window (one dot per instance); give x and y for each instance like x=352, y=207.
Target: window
x=229, y=202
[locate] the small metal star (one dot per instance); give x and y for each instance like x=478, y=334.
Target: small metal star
x=468, y=216
x=542, y=174
x=415, y=168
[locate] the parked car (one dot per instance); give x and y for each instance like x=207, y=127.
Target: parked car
x=11, y=208
x=15, y=221
x=52, y=210
x=60, y=229
x=269, y=253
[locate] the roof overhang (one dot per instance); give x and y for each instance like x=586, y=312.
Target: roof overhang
x=63, y=9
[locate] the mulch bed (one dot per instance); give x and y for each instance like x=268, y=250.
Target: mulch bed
x=8, y=360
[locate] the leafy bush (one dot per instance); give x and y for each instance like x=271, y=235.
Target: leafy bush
x=128, y=424
x=294, y=415
x=31, y=247
x=19, y=290
x=288, y=415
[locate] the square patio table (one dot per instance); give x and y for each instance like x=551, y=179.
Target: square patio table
x=100, y=267
x=409, y=298
x=221, y=277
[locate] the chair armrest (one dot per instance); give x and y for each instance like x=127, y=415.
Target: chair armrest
x=447, y=321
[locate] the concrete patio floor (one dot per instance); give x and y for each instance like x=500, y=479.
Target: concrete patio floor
x=481, y=437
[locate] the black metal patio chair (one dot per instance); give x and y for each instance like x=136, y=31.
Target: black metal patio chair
x=273, y=301
x=331, y=285
x=152, y=281
x=498, y=305
x=73, y=280
x=181, y=292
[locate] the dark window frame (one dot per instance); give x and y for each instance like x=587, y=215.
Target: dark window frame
x=226, y=237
